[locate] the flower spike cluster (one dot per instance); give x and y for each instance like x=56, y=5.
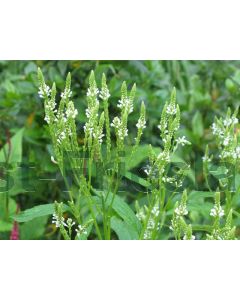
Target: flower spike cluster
x=227, y=137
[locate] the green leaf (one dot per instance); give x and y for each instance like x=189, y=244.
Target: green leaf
x=126, y=213
x=137, y=179
x=16, y=149
x=85, y=236
x=122, y=209
x=206, y=228
x=123, y=230
x=37, y=211
x=196, y=195
x=140, y=155
x=33, y=229
x=196, y=202
x=197, y=124
x=5, y=226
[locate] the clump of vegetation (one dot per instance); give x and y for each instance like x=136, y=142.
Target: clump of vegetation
x=117, y=169
x=97, y=211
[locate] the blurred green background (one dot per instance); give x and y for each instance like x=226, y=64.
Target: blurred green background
x=204, y=89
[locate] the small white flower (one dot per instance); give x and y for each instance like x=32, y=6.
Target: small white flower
x=234, y=120
x=141, y=124
x=237, y=152
x=140, y=215
x=168, y=179
x=66, y=94
x=192, y=237
x=70, y=223
x=226, y=140
x=121, y=131
x=155, y=211
x=81, y=230
x=146, y=235
x=151, y=224
x=98, y=135
x=58, y=221
x=181, y=210
x=171, y=109
x=125, y=103
x=206, y=159
x=227, y=122
x=116, y=122
x=216, y=130
x=92, y=92
x=44, y=91
x=147, y=170
x=71, y=112
x=104, y=94
x=217, y=211
x=47, y=119
x=164, y=156
x=182, y=141
x=88, y=113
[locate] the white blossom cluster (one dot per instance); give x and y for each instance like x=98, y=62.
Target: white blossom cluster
x=217, y=211
x=58, y=221
x=121, y=130
x=186, y=238
x=216, y=235
x=91, y=114
x=126, y=104
x=67, y=93
x=171, y=109
x=233, y=153
x=104, y=94
x=225, y=133
x=71, y=111
x=181, y=210
x=97, y=134
x=152, y=222
x=92, y=92
x=229, y=121
x=182, y=141
x=81, y=230
x=61, y=137
x=90, y=127
x=59, y=119
x=164, y=156
x=70, y=223
x=141, y=124
x=44, y=91
x=206, y=158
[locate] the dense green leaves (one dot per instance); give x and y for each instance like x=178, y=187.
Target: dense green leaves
x=204, y=89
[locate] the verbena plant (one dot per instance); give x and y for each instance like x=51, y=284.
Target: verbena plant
x=95, y=167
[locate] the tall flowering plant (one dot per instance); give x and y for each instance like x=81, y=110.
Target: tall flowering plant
x=93, y=212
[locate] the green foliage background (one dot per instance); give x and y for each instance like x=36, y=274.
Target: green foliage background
x=204, y=89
